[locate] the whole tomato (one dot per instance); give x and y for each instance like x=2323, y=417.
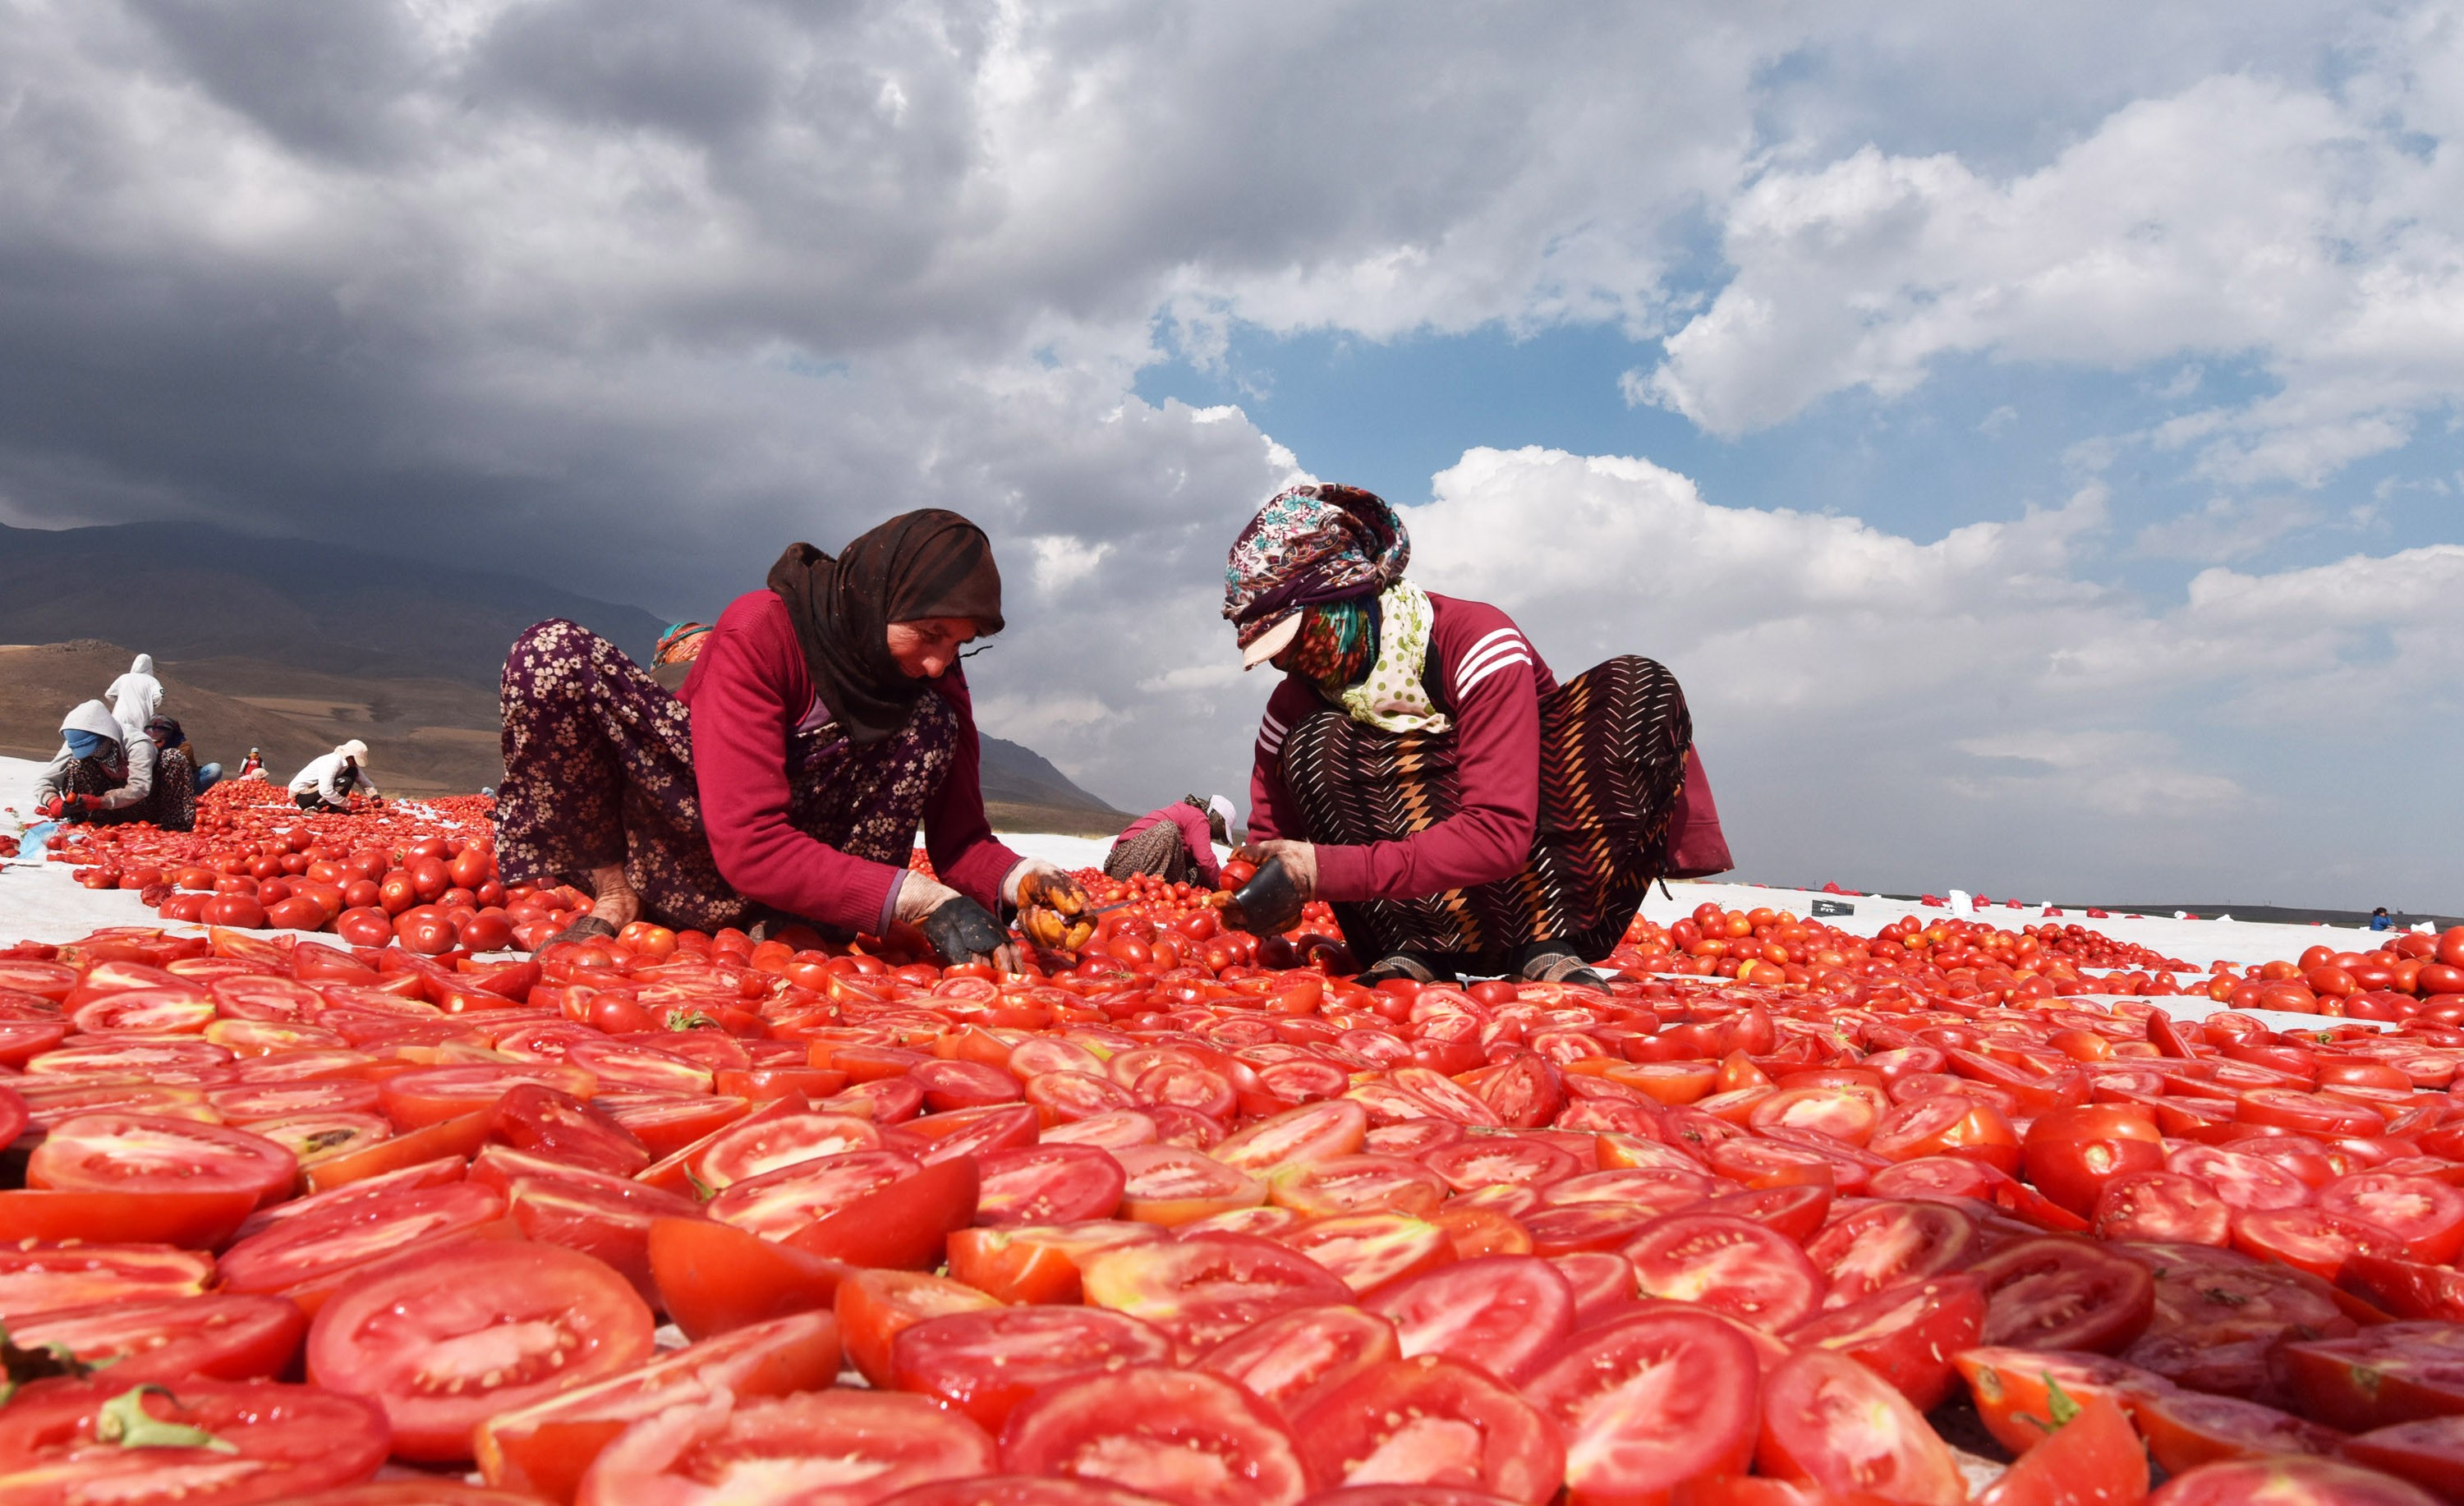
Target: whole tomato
x=2071, y=1153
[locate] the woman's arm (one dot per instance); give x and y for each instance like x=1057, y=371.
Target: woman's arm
x=140, y=783
x=1271, y=811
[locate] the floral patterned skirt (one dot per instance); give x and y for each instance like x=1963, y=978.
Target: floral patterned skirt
x=599, y=770
x=172, y=806
x=1160, y=850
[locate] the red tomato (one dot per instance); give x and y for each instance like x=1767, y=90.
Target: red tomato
x=1905, y=1334
x=2427, y=1216
x=1203, y=1290
x=2013, y=1389
x=2071, y=1152
x=1883, y=1244
x=2165, y=1207
x=444, y=1337
x=544, y=1450
x=1367, y=1250
x=534, y=1116
x=712, y=1279
x=1647, y=1402
x=1432, y=1422
x=140, y=1154
x=1054, y=1184
x=828, y=1446
x=1293, y=1361
x=983, y=1363
x=2092, y=1458
x=874, y=1307
x=2060, y=1292
x=310, y=1248
x=1187, y=1437
x=1502, y=1313
x=2184, y=1429
x=2430, y=1452
x=224, y=1335
x=2291, y=1481
x=278, y=1443
x=1835, y=1425
x=1730, y=1265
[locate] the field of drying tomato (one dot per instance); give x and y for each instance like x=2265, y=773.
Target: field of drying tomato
x=1190, y=1216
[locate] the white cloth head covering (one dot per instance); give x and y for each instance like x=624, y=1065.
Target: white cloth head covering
x=143, y=664
x=354, y=749
x=1221, y=806
x=93, y=716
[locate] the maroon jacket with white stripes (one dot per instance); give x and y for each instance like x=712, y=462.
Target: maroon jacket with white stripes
x=1493, y=680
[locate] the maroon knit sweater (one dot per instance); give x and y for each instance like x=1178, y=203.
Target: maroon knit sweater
x=748, y=692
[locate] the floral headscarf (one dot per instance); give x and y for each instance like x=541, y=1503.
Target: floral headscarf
x=1311, y=544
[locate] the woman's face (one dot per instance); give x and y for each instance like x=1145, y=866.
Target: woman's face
x=927, y=648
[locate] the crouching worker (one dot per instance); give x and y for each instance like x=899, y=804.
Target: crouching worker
x=823, y=717
x=328, y=783
x=102, y=772
x=1176, y=844
x=1421, y=770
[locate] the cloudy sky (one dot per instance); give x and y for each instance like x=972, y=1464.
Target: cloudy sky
x=2029, y=431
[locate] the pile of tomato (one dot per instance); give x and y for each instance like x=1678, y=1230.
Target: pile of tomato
x=1192, y=1217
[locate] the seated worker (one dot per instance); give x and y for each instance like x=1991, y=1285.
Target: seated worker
x=102, y=772
x=137, y=695
x=671, y=659
x=166, y=733
x=178, y=781
x=1421, y=770
x=823, y=717
x=1176, y=844
x=252, y=767
x=328, y=783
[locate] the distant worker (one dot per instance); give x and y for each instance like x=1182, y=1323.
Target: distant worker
x=137, y=695
x=1176, y=843
x=2379, y=920
x=178, y=781
x=102, y=772
x=1421, y=770
x=328, y=783
x=672, y=661
x=252, y=767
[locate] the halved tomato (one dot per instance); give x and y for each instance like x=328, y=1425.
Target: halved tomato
x=1502, y=1313
x=1188, y=1436
x=1367, y=1250
x=1647, y=1402
x=47, y=1278
x=1293, y=1360
x=1429, y=1421
x=445, y=1336
x=1050, y=1184
x=226, y=1336
x=2184, y=1429
x=2091, y=1458
x=1905, y=1334
x=1883, y=1244
x=141, y=1153
x=1834, y=1424
x=2293, y=1481
x=2058, y=1293
x=272, y=1443
x=713, y=1279
x=813, y=1445
x=1038, y=1263
x=1204, y=1289
x=1730, y=1265
x=874, y=1307
x=983, y=1363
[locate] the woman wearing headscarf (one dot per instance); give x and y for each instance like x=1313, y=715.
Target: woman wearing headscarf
x=178, y=781
x=329, y=780
x=1421, y=770
x=102, y=772
x=1176, y=843
x=137, y=695
x=824, y=718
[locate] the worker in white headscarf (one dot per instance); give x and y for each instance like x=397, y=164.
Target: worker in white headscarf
x=137, y=695
x=329, y=782
x=1176, y=843
x=102, y=772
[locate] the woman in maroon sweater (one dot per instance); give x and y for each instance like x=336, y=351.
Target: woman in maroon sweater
x=824, y=718
x=1421, y=770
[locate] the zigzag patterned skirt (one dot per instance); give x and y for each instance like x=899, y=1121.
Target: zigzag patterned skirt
x=1612, y=743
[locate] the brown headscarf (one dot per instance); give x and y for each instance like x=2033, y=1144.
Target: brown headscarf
x=930, y=563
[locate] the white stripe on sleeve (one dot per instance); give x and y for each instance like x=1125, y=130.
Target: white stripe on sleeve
x=1518, y=657
x=1473, y=663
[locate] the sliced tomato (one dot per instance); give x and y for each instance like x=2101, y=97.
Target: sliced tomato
x=547, y=1121
x=828, y=1446
x=226, y=1336
x=2405, y=1288
x=2092, y=1458
x=2311, y=1238
x=191, y=1220
x=767, y=1142
x=1367, y=1250
x=713, y=1279
x=605, y=1217
x=1502, y=1313
x=2058, y=1293
x=1886, y=1243
x=1298, y=1136
x=1037, y=1263
x=1366, y=1183
x=874, y=1307
x=1649, y=1401
x=444, y=1337
x=2425, y=1214
x=1025, y=1490
x=1293, y=1360
x=2242, y=1180
x=141, y=1153
x=1203, y=1289
x=47, y=1278
x=1183, y=1435
x=1745, y=1270
x=299, y=1250
x=278, y=1443
x=2168, y=1207
x=2013, y=1388
x=2392, y=1373
x=1905, y=1334
x=2184, y=1429
x=1834, y=1424
x=2430, y=1453
x=2289, y=1480
x=1429, y=1421
x=545, y=1448
x=1050, y=1184
x=1173, y=1185
x=778, y=1204
x=983, y=1363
